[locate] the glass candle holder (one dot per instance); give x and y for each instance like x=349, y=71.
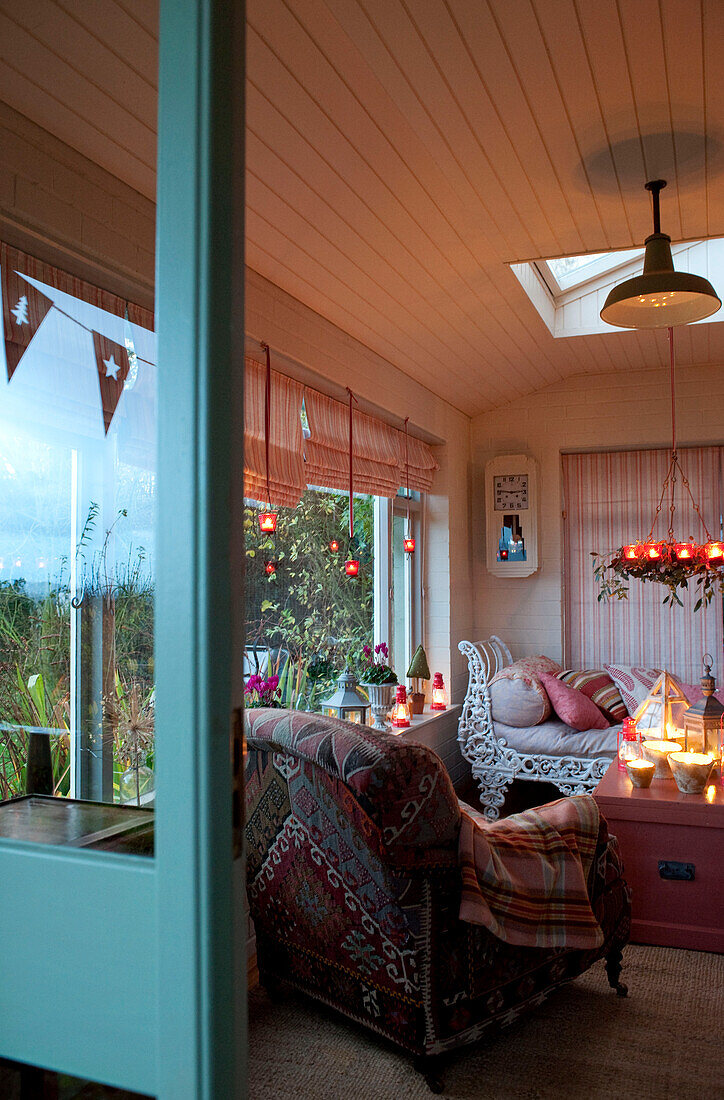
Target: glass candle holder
x=628, y=742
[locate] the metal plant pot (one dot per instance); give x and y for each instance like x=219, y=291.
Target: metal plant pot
x=381, y=698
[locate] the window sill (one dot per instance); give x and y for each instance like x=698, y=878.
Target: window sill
x=420, y=721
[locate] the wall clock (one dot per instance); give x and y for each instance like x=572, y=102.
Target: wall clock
x=511, y=515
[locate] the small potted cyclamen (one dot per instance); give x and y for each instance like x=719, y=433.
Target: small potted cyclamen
x=378, y=680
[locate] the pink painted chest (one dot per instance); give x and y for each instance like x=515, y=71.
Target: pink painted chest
x=673, y=851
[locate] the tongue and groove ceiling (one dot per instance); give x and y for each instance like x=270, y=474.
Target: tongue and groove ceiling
x=401, y=153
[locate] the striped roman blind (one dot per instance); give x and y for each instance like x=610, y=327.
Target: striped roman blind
x=287, y=476
x=609, y=500
x=379, y=451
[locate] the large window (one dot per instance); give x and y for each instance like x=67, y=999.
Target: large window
x=77, y=481
x=306, y=619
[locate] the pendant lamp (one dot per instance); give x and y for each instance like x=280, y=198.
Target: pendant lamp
x=661, y=297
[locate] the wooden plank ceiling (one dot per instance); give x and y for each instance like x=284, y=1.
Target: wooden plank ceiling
x=401, y=152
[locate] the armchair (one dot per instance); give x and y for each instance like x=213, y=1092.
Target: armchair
x=354, y=889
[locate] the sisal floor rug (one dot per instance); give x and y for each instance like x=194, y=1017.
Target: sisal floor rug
x=662, y=1042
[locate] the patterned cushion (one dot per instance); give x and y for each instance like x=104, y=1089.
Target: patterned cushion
x=600, y=688
x=633, y=682
x=572, y=706
x=517, y=697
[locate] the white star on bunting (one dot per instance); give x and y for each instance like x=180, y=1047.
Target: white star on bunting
x=112, y=368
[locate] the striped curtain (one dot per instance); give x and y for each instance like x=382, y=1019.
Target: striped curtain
x=287, y=476
x=378, y=451
x=609, y=500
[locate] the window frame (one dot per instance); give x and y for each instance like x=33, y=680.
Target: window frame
x=385, y=596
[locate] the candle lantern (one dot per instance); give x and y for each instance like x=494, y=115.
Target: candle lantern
x=628, y=742
x=270, y=568
x=439, y=699
x=661, y=715
x=346, y=702
x=703, y=722
x=333, y=546
x=714, y=553
x=351, y=567
x=400, y=716
x=267, y=522
x=408, y=546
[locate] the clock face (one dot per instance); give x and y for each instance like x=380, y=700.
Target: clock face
x=510, y=492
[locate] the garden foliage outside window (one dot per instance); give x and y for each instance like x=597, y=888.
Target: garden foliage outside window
x=77, y=485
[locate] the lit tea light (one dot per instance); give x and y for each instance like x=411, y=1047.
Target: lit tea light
x=658, y=753
x=640, y=772
x=691, y=770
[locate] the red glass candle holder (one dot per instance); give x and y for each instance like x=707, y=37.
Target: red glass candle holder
x=400, y=716
x=408, y=546
x=270, y=568
x=684, y=551
x=351, y=567
x=653, y=550
x=628, y=743
x=267, y=522
x=714, y=552
x=439, y=696
x=333, y=546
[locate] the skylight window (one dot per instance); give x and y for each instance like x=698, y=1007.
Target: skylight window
x=569, y=292
x=570, y=271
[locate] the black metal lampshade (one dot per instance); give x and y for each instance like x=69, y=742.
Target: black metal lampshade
x=661, y=297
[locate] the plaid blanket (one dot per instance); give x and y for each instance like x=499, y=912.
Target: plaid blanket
x=525, y=877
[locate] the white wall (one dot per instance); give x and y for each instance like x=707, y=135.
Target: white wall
x=587, y=413
x=66, y=210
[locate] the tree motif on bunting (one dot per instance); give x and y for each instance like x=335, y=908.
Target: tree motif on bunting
x=113, y=367
x=24, y=310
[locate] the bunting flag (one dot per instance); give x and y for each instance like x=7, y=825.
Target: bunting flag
x=113, y=366
x=24, y=310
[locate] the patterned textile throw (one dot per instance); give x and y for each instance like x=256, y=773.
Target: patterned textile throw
x=525, y=877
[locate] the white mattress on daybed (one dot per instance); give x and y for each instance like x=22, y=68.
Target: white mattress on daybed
x=555, y=738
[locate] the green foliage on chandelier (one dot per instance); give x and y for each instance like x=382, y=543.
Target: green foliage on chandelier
x=613, y=572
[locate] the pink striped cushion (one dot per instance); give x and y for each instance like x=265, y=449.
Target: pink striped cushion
x=600, y=688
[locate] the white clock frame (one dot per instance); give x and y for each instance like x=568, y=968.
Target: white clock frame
x=505, y=466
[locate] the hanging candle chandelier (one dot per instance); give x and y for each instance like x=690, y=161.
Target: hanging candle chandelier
x=670, y=561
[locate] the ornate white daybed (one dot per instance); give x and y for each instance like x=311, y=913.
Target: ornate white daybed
x=498, y=753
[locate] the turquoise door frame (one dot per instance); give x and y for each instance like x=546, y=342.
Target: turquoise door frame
x=120, y=969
